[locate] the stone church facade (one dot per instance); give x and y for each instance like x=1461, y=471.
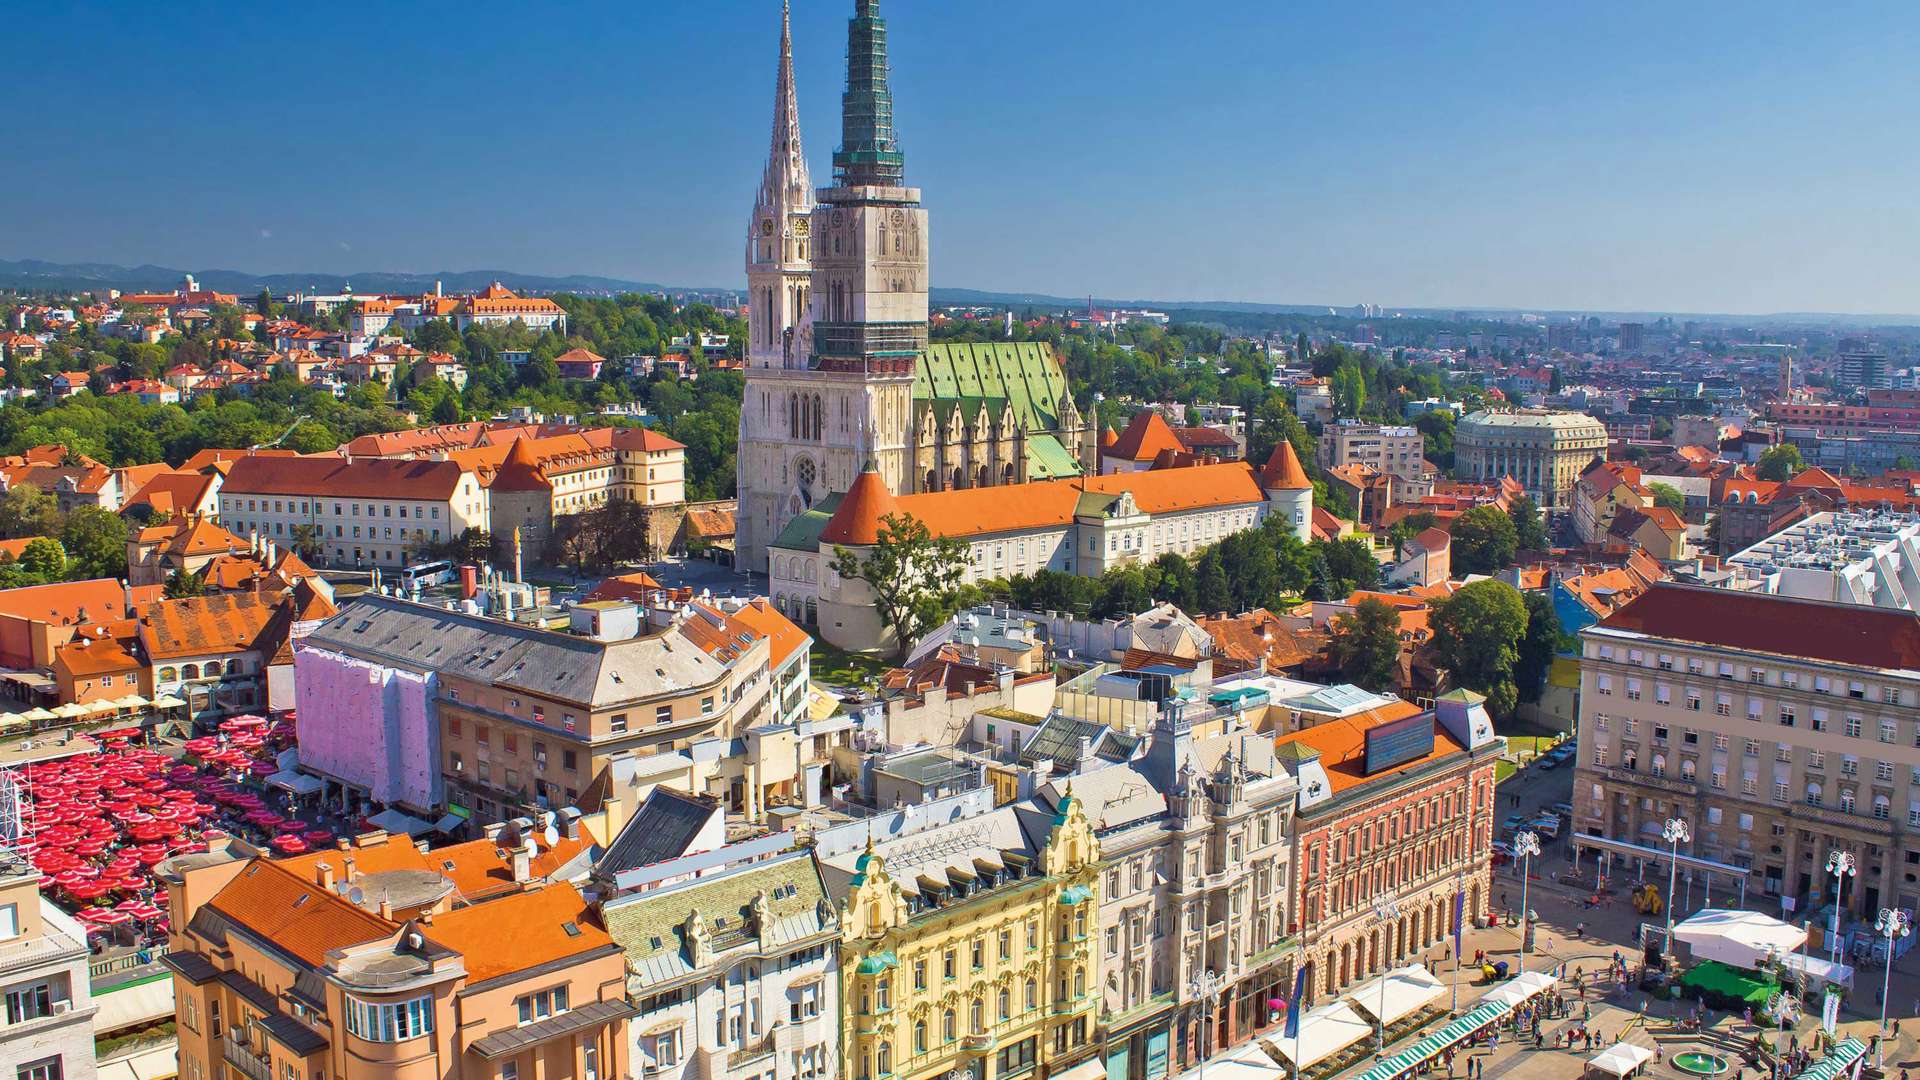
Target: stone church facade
x=839, y=371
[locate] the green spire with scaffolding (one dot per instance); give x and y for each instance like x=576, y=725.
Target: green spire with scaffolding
x=867, y=156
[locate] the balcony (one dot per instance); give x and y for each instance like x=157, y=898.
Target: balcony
x=1661, y=783
x=240, y=1055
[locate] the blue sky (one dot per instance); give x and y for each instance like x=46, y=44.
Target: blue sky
x=1748, y=157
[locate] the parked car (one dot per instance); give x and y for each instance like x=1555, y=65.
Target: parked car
x=1547, y=826
x=1564, y=809
x=1513, y=823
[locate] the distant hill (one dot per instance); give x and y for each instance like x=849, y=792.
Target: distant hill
x=39, y=274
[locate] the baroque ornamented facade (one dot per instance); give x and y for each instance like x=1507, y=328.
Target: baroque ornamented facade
x=839, y=372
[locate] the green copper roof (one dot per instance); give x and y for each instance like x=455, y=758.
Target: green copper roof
x=1076, y=894
x=1023, y=374
x=1047, y=459
x=803, y=532
x=877, y=963
x=867, y=155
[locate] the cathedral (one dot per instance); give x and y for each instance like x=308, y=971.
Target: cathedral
x=840, y=375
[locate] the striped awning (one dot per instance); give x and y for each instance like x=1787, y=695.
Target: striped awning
x=1429, y=1047
x=1839, y=1061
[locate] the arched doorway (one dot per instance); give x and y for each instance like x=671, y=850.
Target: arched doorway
x=959, y=478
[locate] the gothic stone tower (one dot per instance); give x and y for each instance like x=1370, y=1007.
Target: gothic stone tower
x=843, y=395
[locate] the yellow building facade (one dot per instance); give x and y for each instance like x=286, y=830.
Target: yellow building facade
x=970, y=955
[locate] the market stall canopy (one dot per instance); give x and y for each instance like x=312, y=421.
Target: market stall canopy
x=132, y=701
x=394, y=821
x=1407, y=991
x=1742, y=939
x=38, y=713
x=70, y=711
x=13, y=721
x=297, y=782
x=1620, y=1059
x=95, y=708
x=1521, y=987
x=167, y=701
x=1324, y=1032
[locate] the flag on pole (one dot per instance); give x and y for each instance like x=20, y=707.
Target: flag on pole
x=1459, y=916
x=1293, y=1003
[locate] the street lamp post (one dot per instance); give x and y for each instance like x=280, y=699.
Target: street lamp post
x=1525, y=846
x=1894, y=925
x=1385, y=910
x=1674, y=833
x=1205, y=986
x=1840, y=864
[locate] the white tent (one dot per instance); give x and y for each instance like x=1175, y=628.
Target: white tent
x=1814, y=967
x=1620, y=1059
x=1742, y=939
x=1407, y=991
x=394, y=821
x=1242, y=1066
x=1520, y=988
x=1324, y=1032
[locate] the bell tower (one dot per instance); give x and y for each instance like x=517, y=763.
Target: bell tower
x=779, y=263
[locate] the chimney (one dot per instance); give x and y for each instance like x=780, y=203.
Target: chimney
x=523, y=862
x=126, y=590
x=351, y=871
x=323, y=875
x=386, y=907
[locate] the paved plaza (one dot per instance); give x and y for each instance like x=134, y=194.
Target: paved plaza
x=1573, y=935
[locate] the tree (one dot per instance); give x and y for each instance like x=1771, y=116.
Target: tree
x=1781, y=463
x=1529, y=532
x=1349, y=390
x=1350, y=564
x=307, y=542
x=1476, y=637
x=1542, y=642
x=1484, y=541
x=181, y=585
x=1668, y=496
x=1409, y=527
x=1366, y=645
x=96, y=543
x=1436, y=429
x=912, y=575
x=45, y=559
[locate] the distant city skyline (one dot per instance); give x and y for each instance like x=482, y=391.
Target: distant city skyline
x=1717, y=158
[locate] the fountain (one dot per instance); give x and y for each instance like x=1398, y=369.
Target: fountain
x=1701, y=1063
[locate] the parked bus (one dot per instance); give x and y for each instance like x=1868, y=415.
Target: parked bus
x=427, y=574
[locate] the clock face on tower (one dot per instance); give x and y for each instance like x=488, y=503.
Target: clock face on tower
x=898, y=218
x=801, y=226
x=766, y=226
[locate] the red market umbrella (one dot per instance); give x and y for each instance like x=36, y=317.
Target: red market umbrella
x=319, y=836
x=289, y=844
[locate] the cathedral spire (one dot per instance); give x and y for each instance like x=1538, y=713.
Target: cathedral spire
x=786, y=180
x=868, y=155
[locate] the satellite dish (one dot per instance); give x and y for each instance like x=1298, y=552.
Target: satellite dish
x=356, y=895
x=551, y=836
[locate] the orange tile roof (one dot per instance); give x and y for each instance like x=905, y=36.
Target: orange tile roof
x=1258, y=637
x=521, y=470
x=1146, y=435
x=1283, y=471
x=534, y=925
x=86, y=656
x=766, y=620
x=206, y=625
x=173, y=492
x=276, y=901
x=327, y=476
x=1042, y=504
x=67, y=602
x=18, y=547
x=638, y=587
x=1342, y=743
